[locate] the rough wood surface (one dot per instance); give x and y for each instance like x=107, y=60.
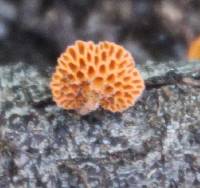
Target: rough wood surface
x=153, y=71
x=154, y=144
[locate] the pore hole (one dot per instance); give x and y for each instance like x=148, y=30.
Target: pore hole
x=127, y=95
x=129, y=101
x=89, y=57
x=72, y=53
x=72, y=67
x=81, y=48
x=118, y=94
x=101, y=46
x=119, y=53
x=57, y=77
x=120, y=100
x=112, y=65
x=82, y=63
x=65, y=57
x=135, y=92
x=128, y=87
x=109, y=89
x=103, y=56
x=122, y=64
x=111, y=50
x=106, y=45
x=139, y=86
x=91, y=71
x=111, y=78
x=91, y=46
x=96, y=60
x=70, y=95
x=62, y=71
x=56, y=92
x=80, y=75
x=71, y=77
x=118, y=84
x=98, y=82
x=127, y=78
x=102, y=69
x=136, y=81
x=121, y=73
x=62, y=63
x=55, y=84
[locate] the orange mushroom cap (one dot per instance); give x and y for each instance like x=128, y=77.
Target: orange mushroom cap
x=90, y=75
x=194, y=50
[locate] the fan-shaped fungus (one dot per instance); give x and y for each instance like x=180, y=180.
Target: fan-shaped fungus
x=90, y=75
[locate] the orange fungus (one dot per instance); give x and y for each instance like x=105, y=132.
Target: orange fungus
x=90, y=75
x=194, y=50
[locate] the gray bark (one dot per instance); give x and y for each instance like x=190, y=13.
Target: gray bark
x=156, y=143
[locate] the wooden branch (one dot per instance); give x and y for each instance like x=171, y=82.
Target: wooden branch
x=150, y=70
x=168, y=72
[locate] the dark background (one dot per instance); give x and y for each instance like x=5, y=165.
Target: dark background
x=37, y=31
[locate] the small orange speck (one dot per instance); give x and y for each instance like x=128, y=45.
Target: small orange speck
x=90, y=75
x=194, y=49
